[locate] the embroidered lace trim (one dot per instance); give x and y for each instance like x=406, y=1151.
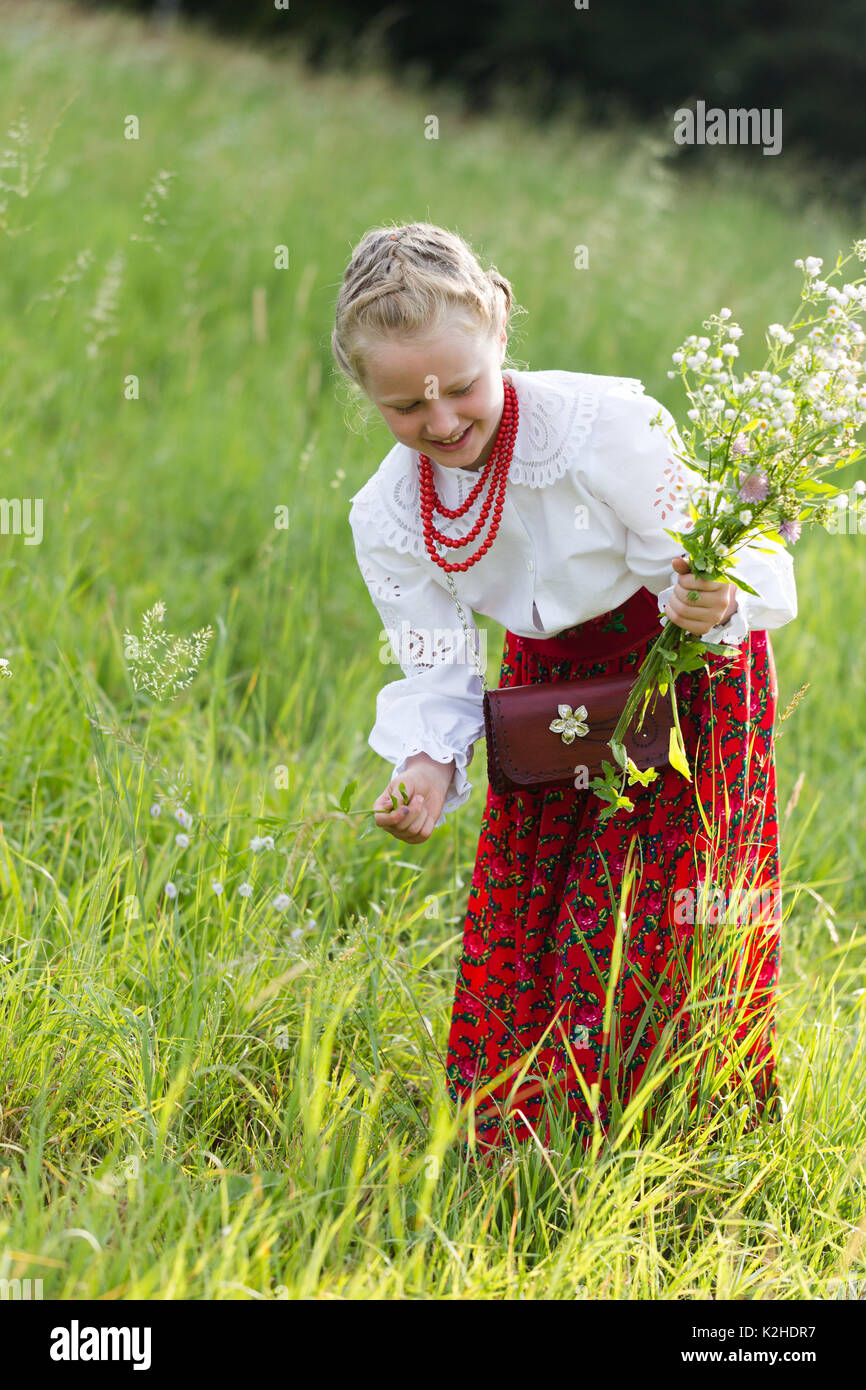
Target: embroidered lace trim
x=555, y=424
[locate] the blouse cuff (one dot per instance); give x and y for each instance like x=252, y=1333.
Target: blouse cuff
x=731, y=632
x=459, y=788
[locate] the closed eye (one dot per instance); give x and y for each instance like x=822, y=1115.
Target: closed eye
x=406, y=409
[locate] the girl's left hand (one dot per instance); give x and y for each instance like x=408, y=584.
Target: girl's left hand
x=716, y=600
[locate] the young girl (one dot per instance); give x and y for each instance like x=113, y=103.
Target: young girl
x=573, y=559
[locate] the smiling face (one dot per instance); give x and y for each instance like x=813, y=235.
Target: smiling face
x=440, y=396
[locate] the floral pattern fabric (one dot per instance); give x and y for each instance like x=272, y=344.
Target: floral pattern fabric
x=543, y=906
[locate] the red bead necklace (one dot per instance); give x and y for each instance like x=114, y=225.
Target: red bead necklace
x=495, y=471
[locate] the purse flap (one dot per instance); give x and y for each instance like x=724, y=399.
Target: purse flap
x=585, y=714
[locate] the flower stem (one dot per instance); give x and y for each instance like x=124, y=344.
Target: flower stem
x=646, y=681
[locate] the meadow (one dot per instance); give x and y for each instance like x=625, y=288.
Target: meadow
x=219, y=1096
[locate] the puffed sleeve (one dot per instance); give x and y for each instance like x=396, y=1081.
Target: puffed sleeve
x=437, y=708
x=637, y=473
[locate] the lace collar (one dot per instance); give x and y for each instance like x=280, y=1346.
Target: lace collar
x=557, y=411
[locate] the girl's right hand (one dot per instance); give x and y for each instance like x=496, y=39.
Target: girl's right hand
x=426, y=783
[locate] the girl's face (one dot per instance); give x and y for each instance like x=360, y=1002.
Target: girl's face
x=441, y=396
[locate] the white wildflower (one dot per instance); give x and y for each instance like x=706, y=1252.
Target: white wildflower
x=780, y=332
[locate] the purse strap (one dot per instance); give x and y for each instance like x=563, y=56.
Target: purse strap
x=470, y=642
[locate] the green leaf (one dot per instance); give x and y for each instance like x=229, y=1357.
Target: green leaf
x=811, y=485
x=690, y=657
x=741, y=583
x=648, y=775
x=685, y=662
x=677, y=754
x=607, y=786
x=613, y=803
x=346, y=795
x=403, y=790
x=603, y=790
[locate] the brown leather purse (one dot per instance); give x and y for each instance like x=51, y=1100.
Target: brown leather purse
x=545, y=733
x=548, y=732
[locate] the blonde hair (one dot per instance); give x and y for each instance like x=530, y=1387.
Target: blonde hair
x=407, y=281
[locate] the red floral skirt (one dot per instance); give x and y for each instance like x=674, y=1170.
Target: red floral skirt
x=566, y=912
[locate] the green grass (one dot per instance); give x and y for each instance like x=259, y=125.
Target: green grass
x=213, y=1098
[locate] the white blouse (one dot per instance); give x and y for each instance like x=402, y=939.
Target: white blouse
x=591, y=488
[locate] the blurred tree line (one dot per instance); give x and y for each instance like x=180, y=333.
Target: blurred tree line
x=620, y=57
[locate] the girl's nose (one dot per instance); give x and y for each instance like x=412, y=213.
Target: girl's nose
x=441, y=422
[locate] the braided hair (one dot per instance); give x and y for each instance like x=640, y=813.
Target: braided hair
x=407, y=281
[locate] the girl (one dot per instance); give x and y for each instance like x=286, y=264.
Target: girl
x=548, y=494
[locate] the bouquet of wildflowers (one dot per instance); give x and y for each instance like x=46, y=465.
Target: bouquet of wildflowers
x=762, y=443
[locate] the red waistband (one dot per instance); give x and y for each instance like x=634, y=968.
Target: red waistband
x=626, y=626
